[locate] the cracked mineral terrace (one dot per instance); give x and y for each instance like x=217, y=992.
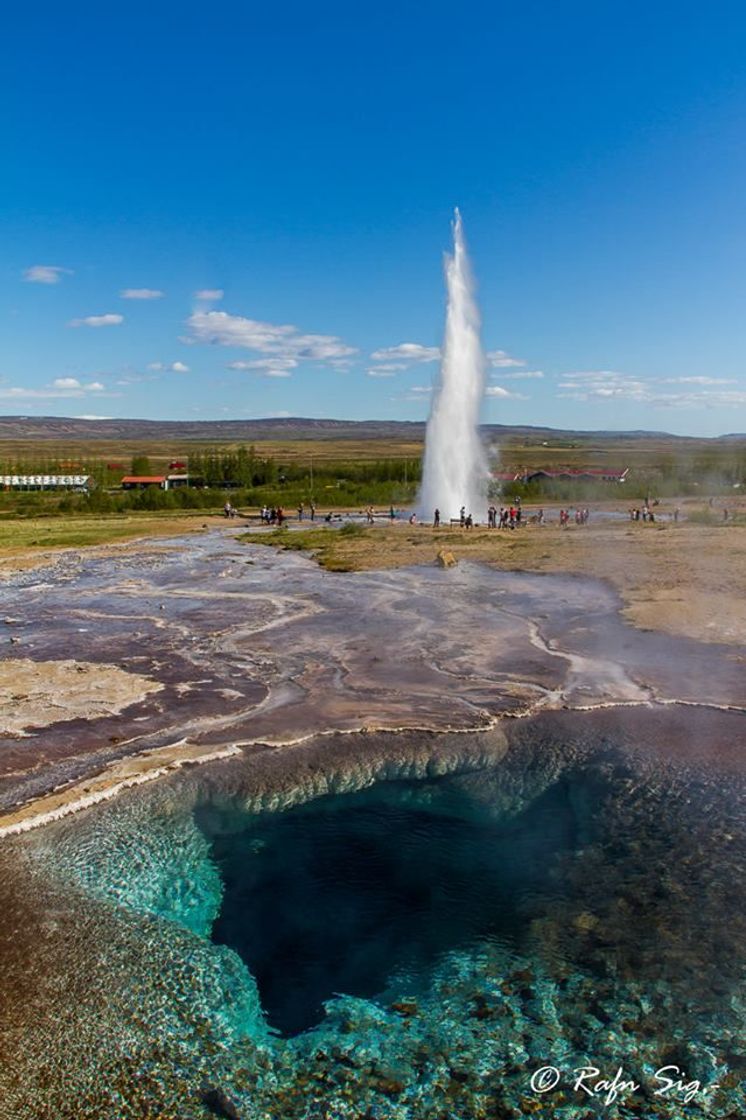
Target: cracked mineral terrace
x=220, y=647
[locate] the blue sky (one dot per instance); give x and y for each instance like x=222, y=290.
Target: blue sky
x=298, y=164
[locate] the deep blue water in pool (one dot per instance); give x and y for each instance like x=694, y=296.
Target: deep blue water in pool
x=343, y=894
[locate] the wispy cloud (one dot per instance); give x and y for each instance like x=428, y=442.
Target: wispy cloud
x=141, y=293
x=698, y=380
x=408, y=352
x=501, y=360
x=168, y=367
x=389, y=369
x=60, y=388
x=45, y=273
x=108, y=320
x=48, y=393
x=89, y=416
x=209, y=295
x=504, y=394
x=273, y=340
x=414, y=393
x=611, y=386
x=521, y=375
x=267, y=367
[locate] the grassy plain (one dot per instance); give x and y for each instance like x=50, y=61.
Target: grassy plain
x=162, y=451
x=29, y=542
x=649, y=452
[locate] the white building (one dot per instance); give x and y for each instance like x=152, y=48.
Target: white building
x=45, y=482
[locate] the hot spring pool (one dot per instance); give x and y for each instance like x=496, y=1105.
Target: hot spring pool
x=411, y=941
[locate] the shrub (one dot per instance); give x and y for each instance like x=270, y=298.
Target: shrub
x=352, y=529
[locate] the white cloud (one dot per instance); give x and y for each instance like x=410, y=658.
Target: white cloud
x=387, y=370
x=270, y=367
x=603, y=384
x=501, y=360
x=407, y=352
x=89, y=416
x=141, y=293
x=414, y=393
x=503, y=394
x=698, y=380
x=522, y=375
x=168, y=367
x=209, y=295
x=266, y=367
x=607, y=385
x=97, y=321
x=17, y=393
x=60, y=389
x=283, y=341
x=46, y=274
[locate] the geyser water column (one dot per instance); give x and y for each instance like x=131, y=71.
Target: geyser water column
x=455, y=468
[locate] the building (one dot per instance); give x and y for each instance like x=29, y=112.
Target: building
x=147, y=481
x=144, y=481
x=46, y=482
x=584, y=474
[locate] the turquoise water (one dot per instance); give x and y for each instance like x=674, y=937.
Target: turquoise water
x=360, y=893
x=410, y=950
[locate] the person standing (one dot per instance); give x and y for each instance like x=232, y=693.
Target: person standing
x=436, y=519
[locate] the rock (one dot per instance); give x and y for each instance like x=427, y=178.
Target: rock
x=446, y=559
x=390, y=1086
x=585, y=922
x=405, y=1007
x=220, y=1104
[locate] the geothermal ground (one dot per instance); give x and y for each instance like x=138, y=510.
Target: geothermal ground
x=206, y=644
x=215, y=755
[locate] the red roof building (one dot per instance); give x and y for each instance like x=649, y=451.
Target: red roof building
x=142, y=481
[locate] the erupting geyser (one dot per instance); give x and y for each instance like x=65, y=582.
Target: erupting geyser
x=455, y=466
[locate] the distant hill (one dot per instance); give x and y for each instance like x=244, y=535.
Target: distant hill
x=33, y=428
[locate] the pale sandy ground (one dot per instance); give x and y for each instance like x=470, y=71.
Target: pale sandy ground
x=120, y=775
x=37, y=693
